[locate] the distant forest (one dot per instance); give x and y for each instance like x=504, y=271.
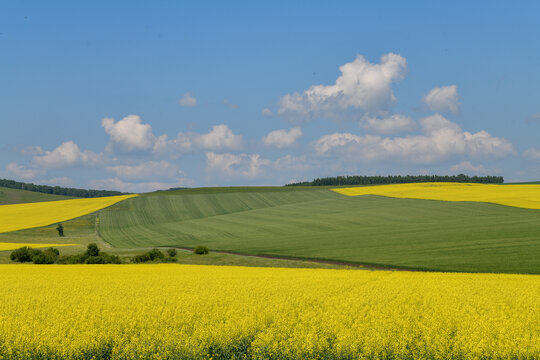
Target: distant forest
x=57, y=190
x=373, y=180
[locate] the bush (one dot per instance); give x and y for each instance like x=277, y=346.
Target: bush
x=23, y=254
x=200, y=250
x=171, y=252
x=155, y=254
x=43, y=258
x=141, y=258
x=73, y=259
x=151, y=255
x=92, y=250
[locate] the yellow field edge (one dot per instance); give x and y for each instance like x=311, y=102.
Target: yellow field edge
x=30, y=215
x=525, y=196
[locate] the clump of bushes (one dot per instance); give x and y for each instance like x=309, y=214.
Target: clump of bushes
x=155, y=255
x=92, y=255
x=200, y=250
x=28, y=254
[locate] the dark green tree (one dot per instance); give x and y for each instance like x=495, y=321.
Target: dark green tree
x=60, y=229
x=92, y=250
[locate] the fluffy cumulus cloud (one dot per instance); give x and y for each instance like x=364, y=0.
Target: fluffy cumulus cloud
x=188, y=100
x=282, y=138
x=235, y=165
x=145, y=170
x=392, y=124
x=129, y=134
x=267, y=112
x=67, y=155
x=361, y=85
x=444, y=98
x=219, y=138
x=22, y=172
x=440, y=139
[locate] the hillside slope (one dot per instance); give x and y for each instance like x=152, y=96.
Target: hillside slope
x=16, y=196
x=321, y=224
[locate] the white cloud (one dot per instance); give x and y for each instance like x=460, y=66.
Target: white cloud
x=444, y=98
x=219, y=138
x=32, y=151
x=532, y=153
x=188, y=100
x=129, y=134
x=466, y=167
x=282, y=138
x=388, y=125
x=441, y=139
x=22, y=172
x=232, y=165
x=67, y=155
x=145, y=170
x=291, y=163
x=361, y=85
x=267, y=112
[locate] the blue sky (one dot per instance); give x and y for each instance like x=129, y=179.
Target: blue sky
x=144, y=95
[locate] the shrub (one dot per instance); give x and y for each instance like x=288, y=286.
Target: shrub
x=92, y=250
x=73, y=259
x=141, y=258
x=23, y=254
x=171, y=252
x=200, y=250
x=60, y=229
x=43, y=258
x=155, y=254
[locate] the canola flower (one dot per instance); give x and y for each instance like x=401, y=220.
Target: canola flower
x=174, y=311
x=523, y=196
x=12, y=246
x=25, y=216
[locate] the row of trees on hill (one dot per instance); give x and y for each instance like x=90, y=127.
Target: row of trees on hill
x=57, y=190
x=399, y=179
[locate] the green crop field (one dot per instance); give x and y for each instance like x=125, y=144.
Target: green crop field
x=16, y=196
x=319, y=224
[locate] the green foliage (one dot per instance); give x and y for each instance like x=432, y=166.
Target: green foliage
x=27, y=254
x=200, y=250
x=171, y=252
x=60, y=229
x=152, y=255
x=92, y=250
x=142, y=258
x=57, y=190
x=23, y=254
x=155, y=254
x=373, y=180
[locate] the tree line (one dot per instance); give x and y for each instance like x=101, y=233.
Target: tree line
x=58, y=190
x=398, y=179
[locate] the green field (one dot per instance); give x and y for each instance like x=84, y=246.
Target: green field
x=316, y=223
x=16, y=196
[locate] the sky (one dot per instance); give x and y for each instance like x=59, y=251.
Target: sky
x=144, y=95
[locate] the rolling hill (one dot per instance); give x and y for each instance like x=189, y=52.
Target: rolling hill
x=17, y=196
x=320, y=224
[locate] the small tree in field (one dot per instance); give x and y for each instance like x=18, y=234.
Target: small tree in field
x=200, y=250
x=60, y=229
x=92, y=250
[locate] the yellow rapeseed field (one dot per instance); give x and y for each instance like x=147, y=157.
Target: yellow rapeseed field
x=174, y=311
x=12, y=246
x=524, y=196
x=26, y=216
